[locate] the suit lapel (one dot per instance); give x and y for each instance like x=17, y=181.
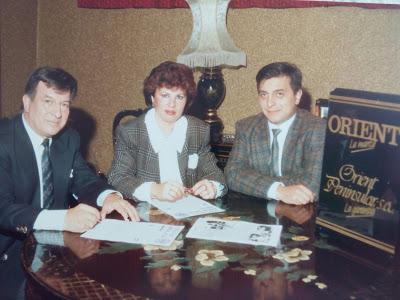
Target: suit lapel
x=61, y=164
x=25, y=158
x=183, y=160
x=289, y=148
x=151, y=158
x=262, y=150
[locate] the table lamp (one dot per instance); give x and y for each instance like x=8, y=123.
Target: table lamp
x=209, y=49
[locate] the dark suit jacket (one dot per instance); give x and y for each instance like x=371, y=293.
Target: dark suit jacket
x=135, y=161
x=19, y=178
x=248, y=171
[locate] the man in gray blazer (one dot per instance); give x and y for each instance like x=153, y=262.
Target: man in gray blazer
x=277, y=153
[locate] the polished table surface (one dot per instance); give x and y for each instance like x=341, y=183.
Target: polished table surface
x=90, y=269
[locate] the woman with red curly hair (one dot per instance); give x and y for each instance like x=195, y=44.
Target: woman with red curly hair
x=164, y=154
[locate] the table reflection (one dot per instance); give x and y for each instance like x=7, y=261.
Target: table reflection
x=303, y=266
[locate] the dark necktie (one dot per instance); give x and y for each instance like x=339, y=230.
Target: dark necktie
x=275, y=152
x=47, y=176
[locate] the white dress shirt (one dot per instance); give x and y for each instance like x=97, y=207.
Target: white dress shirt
x=50, y=219
x=284, y=127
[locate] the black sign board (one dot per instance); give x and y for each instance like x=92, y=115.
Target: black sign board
x=360, y=183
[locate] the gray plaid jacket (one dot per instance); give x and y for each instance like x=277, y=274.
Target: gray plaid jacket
x=248, y=170
x=135, y=161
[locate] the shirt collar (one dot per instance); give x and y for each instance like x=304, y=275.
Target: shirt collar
x=157, y=136
x=35, y=138
x=283, y=126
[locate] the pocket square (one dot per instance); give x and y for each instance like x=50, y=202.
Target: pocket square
x=71, y=175
x=193, y=161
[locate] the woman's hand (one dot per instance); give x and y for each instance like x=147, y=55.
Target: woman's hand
x=205, y=189
x=167, y=191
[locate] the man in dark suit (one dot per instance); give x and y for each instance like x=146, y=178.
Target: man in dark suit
x=278, y=153
x=40, y=168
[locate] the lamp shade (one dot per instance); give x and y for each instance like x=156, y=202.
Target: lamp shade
x=210, y=44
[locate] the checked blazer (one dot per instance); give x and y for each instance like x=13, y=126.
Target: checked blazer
x=135, y=161
x=248, y=169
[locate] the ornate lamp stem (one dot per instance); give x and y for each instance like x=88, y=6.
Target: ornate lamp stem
x=211, y=92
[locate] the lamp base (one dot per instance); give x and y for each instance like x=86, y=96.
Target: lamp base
x=216, y=126
x=211, y=93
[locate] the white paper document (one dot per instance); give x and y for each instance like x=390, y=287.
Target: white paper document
x=134, y=232
x=235, y=232
x=188, y=206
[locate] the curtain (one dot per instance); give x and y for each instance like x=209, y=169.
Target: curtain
x=375, y=4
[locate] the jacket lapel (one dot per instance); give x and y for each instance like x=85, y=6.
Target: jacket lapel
x=183, y=162
x=289, y=148
x=25, y=158
x=151, y=158
x=262, y=150
x=61, y=164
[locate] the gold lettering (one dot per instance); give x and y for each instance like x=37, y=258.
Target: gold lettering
x=331, y=183
x=380, y=133
x=347, y=208
x=331, y=124
x=395, y=132
x=345, y=128
x=357, y=210
x=347, y=173
x=387, y=206
x=353, y=144
x=367, y=129
x=363, y=129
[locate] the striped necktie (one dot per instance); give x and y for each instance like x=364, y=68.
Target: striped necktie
x=47, y=176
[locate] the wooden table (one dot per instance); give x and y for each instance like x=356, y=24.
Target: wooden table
x=88, y=269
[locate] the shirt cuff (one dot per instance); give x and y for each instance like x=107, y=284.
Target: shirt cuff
x=49, y=237
x=143, y=209
x=103, y=195
x=143, y=192
x=50, y=220
x=271, y=193
x=219, y=187
x=271, y=206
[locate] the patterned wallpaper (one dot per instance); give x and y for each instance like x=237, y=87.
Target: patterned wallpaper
x=111, y=51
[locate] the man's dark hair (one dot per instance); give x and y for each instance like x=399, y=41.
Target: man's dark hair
x=278, y=69
x=53, y=77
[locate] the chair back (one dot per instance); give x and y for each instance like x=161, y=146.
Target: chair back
x=124, y=114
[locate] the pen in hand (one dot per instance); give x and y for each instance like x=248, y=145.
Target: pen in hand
x=188, y=191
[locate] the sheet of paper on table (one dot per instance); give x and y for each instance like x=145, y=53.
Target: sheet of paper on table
x=134, y=232
x=235, y=232
x=188, y=206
